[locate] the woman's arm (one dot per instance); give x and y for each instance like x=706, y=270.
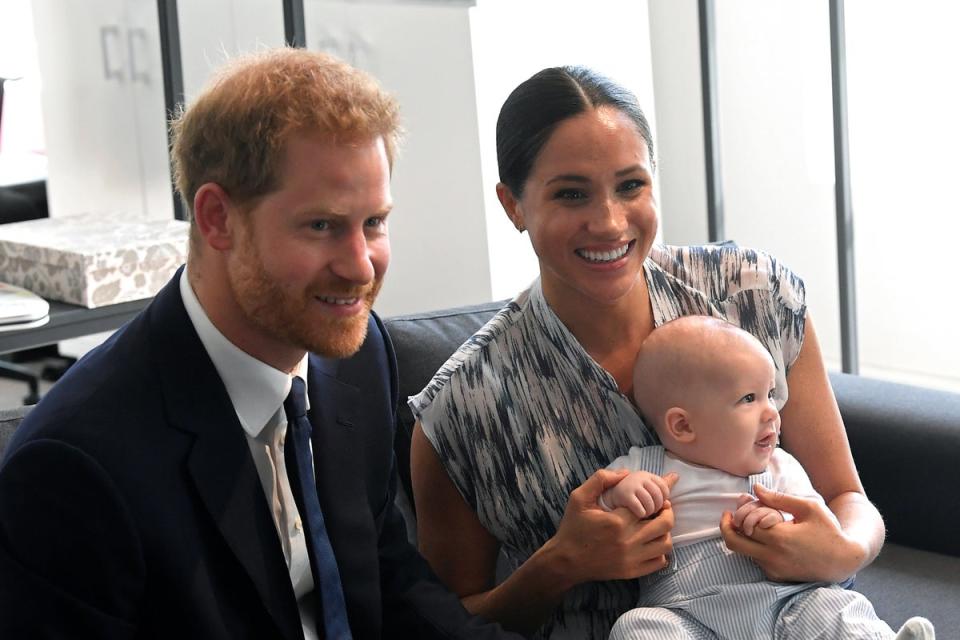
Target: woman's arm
x=590, y=544
x=815, y=547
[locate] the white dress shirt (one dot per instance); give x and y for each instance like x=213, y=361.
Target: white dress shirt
x=257, y=392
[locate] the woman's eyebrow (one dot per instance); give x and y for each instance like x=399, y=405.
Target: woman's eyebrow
x=573, y=177
x=568, y=177
x=632, y=168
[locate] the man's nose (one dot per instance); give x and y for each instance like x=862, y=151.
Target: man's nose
x=353, y=261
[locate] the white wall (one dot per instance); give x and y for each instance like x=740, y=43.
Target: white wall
x=904, y=135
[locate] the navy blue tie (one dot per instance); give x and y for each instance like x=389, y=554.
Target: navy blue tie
x=326, y=576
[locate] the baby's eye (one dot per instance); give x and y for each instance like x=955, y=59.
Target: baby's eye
x=750, y=397
x=771, y=393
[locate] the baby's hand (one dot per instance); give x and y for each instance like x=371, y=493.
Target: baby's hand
x=751, y=513
x=641, y=492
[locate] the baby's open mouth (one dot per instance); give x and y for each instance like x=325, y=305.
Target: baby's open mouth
x=768, y=441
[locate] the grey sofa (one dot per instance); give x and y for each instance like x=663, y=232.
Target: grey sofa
x=905, y=441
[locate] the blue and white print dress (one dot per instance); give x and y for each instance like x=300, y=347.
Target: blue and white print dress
x=521, y=415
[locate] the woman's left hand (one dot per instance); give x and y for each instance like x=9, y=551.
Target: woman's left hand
x=813, y=548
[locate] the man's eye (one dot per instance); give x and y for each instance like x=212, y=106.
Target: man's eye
x=570, y=194
x=376, y=221
x=320, y=225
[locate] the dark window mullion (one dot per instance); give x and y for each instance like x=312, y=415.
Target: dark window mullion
x=844, y=206
x=295, y=33
x=711, y=122
x=172, y=75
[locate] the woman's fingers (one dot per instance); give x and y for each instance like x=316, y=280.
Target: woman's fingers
x=589, y=492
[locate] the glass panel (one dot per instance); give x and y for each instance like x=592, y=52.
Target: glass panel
x=904, y=132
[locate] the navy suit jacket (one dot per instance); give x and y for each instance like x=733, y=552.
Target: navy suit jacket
x=130, y=506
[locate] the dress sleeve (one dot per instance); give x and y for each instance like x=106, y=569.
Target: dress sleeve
x=790, y=307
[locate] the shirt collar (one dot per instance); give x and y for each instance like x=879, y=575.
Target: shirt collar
x=256, y=389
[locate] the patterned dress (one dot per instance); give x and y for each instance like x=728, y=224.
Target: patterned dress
x=521, y=415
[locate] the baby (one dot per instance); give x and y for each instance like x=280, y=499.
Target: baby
x=707, y=387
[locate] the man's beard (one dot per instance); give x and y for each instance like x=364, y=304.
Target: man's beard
x=285, y=314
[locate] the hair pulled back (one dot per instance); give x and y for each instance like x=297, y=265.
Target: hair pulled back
x=539, y=104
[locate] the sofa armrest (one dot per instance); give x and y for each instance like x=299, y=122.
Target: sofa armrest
x=906, y=445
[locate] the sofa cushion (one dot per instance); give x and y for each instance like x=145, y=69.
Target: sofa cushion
x=904, y=582
x=906, y=444
x=423, y=342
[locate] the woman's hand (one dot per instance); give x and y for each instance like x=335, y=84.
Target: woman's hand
x=593, y=544
x=814, y=548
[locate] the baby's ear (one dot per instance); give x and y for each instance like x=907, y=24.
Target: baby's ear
x=677, y=423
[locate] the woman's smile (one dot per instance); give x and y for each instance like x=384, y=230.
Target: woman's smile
x=606, y=256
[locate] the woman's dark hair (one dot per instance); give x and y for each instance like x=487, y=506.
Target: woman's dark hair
x=535, y=108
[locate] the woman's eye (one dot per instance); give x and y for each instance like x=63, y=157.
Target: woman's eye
x=375, y=222
x=570, y=194
x=632, y=185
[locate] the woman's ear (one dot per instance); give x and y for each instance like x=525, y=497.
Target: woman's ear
x=677, y=422
x=510, y=204
x=211, y=210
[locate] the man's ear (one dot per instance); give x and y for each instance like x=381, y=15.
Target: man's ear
x=212, y=208
x=509, y=203
x=677, y=422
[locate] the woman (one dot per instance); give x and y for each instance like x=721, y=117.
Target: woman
x=513, y=429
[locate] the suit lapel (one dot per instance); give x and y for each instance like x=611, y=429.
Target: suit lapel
x=335, y=414
x=220, y=463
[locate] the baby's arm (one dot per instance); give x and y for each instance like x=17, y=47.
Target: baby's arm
x=642, y=492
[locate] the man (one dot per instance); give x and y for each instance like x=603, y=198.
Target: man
x=154, y=491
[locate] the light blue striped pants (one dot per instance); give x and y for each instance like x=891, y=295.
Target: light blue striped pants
x=708, y=592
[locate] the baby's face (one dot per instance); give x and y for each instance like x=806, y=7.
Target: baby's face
x=736, y=423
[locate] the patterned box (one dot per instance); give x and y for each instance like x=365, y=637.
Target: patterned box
x=92, y=259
